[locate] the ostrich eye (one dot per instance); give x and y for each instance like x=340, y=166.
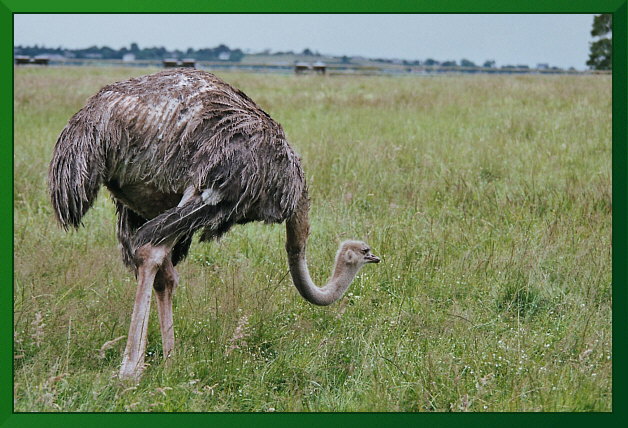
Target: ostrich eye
x=366, y=250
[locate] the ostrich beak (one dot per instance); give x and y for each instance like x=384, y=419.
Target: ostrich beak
x=371, y=258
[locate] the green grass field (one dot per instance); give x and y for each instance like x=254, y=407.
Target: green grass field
x=487, y=197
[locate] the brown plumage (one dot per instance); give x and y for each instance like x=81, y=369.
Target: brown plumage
x=149, y=139
x=182, y=151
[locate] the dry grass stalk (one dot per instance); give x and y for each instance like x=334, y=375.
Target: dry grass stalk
x=38, y=324
x=240, y=333
x=108, y=345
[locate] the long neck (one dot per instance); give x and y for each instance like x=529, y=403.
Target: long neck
x=297, y=232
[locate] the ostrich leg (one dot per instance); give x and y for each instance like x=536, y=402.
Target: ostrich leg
x=150, y=260
x=165, y=283
x=155, y=269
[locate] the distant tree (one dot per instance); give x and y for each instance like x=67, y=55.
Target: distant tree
x=345, y=59
x=109, y=53
x=153, y=53
x=205, y=54
x=135, y=48
x=430, y=62
x=466, y=63
x=489, y=63
x=600, y=51
x=602, y=25
x=307, y=52
x=224, y=49
x=449, y=64
x=236, y=55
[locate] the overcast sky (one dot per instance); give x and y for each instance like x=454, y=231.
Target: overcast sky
x=560, y=40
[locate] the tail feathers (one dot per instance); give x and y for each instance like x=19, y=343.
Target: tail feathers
x=75, y=173
x=178, y=223
x=128, y=224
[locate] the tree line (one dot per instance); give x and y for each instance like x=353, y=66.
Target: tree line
x=220, y=52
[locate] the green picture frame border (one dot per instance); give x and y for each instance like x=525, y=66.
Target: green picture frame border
x=619, y=9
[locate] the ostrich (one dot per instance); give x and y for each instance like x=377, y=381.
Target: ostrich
x=182, y=151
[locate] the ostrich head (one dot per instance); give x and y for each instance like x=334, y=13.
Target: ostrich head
x=355, y=254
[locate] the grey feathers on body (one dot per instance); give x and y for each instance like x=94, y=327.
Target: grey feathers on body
x=152, y=139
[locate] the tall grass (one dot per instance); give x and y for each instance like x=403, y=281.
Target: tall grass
x=487, y=197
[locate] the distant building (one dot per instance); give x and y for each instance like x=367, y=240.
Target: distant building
x=542, y=66
x=301, y=67
x=38, y=60
x=173, y=62
x=170, y=62
x=319, y=67
x=22, y=59
x=224, y=56
x=188, y=63
x=41, y=60
x=128, y=57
